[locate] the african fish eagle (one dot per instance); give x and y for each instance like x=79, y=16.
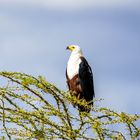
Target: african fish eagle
x=79, y=77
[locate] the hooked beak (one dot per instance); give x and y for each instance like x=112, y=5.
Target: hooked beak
x=67, y=48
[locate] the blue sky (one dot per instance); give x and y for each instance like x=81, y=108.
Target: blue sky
x=34, y=35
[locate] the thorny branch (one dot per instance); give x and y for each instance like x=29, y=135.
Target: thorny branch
x=32, y=108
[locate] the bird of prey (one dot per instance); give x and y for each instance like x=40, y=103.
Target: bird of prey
x=80, y=78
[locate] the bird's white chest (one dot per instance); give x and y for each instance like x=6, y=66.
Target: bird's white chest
x=73, y=67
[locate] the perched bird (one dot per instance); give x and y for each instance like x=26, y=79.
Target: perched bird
x=79, y=77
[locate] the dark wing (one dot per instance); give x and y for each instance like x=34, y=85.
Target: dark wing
x=86, y=80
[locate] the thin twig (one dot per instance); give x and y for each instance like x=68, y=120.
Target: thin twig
x=3, y=119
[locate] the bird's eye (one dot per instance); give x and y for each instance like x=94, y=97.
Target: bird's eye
x=73, y=47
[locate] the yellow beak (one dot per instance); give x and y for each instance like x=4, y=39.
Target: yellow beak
x=71, y=48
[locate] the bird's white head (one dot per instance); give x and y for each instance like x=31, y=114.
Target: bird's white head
x=75, y=49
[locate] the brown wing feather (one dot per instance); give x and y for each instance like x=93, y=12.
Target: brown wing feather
x=74, y=86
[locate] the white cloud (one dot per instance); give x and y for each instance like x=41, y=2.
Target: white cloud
x=72, y=4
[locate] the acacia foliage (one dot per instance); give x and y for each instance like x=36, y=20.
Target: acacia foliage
x=33, y=108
